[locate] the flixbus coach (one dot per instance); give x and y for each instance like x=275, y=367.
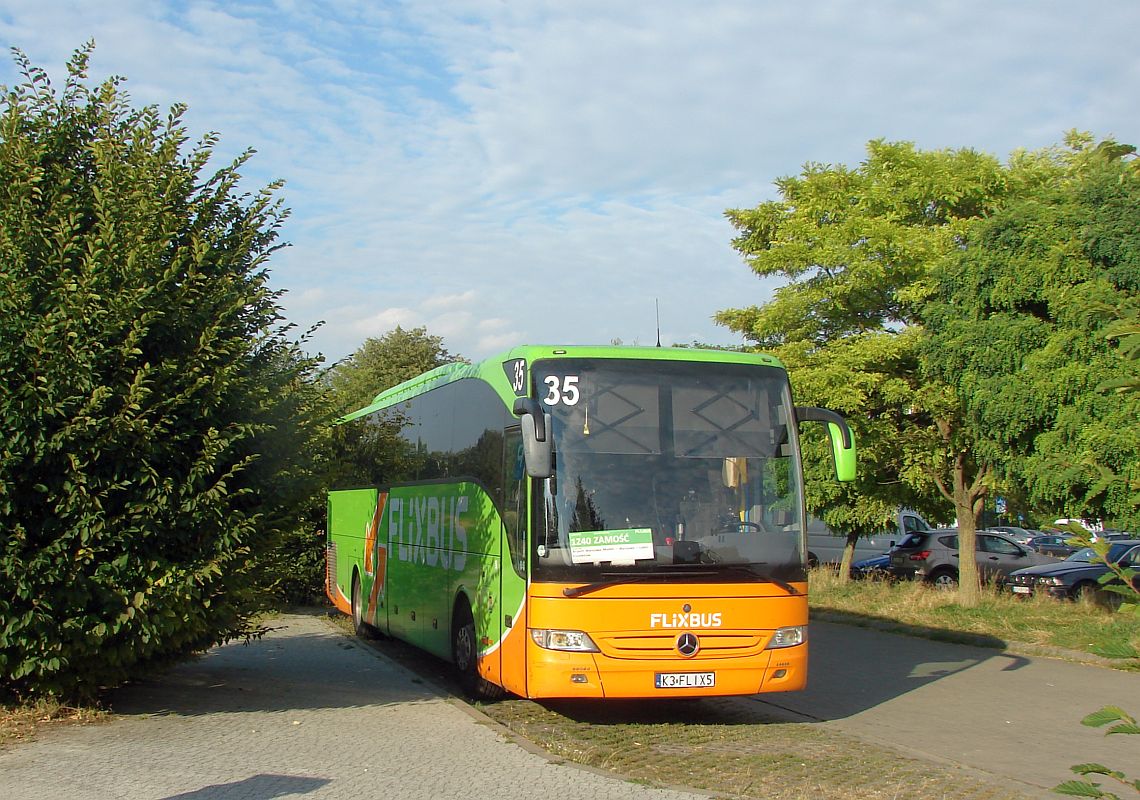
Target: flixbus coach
x=587, y=522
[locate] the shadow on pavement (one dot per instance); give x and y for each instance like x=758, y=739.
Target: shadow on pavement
x=302, y=664
x=258, y=787
x=851, y=670
x=854, y=669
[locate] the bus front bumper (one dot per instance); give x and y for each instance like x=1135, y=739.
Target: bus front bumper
x=553, y=674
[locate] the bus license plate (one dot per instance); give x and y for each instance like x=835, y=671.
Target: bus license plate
x=684, y=680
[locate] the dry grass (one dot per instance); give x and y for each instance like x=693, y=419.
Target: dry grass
x=998, y=619
x=732, y=748
x=24, y=722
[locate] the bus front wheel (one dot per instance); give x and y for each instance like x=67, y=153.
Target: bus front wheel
x=465, y=653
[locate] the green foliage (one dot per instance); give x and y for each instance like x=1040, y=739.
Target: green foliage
x=154, y=414
x=1125, y=330
x=960, y=312
x=1098, y=719
x=869, y=379
x=1021, y=329
x=858, y=247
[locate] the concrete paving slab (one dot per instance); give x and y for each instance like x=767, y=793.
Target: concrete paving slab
x=303, y=712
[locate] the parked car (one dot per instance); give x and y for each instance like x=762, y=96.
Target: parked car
x=1019, y=535
x=873, y=567
x=1113, y=535
x=826, y=546
x=1054, y=544
x=1077, y=575
x=932, y=556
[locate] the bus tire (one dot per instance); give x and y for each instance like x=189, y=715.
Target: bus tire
x=465, y=654
x=362, y=628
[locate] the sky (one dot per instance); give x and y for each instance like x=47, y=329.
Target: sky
x=557, y=172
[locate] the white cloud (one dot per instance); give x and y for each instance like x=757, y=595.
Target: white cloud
x=376, y=323
x=507, y=172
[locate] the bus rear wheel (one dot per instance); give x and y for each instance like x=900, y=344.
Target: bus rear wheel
x=362, y=628
x=465, y=654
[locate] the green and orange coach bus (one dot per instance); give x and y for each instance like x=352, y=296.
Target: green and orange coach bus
x=586, y=522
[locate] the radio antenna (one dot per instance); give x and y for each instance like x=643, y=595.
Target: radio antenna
x=657, y=308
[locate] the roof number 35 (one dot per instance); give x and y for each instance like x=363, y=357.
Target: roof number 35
x=561, y=390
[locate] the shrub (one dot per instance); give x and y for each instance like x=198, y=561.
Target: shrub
x=154, y=413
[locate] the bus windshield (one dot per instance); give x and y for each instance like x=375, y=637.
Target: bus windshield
x=668, y=469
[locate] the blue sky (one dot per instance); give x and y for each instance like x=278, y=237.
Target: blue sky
x=542, y=172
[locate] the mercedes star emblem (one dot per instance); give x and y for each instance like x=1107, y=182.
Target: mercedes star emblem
x=688, y=644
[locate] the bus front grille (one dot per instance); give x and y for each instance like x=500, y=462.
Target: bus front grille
x=664, y=645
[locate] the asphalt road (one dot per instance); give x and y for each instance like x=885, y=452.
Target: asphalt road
x=1012, y=717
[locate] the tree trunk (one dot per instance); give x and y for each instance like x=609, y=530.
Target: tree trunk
x=968, y=494
x=969, y=592
x=848, y=557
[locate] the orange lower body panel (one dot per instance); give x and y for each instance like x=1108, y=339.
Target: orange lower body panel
x=639, y=643
x=556, y=674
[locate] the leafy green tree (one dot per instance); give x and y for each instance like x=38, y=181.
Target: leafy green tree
x=869, y=378
x=857, y=247
x=154, y=412
x=1021, y=330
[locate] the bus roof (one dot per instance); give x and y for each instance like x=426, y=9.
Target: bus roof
x=492, y=367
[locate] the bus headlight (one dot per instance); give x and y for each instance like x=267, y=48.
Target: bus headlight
x=552, y=639
x=788, y=637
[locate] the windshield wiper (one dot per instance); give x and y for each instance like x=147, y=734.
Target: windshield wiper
x=787, y=587
x=616, y=579
x=751, y=573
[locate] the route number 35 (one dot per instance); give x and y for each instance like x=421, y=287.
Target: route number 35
x=561, y=391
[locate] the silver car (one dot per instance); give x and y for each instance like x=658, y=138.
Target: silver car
x=932, y=556
x=1018, y=534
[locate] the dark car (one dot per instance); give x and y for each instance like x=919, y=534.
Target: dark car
x=873, y=567
x=1054, y=544
x=933, y=556
x=1077, y=575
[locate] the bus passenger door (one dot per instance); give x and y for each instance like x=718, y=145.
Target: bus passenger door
x=512, y=575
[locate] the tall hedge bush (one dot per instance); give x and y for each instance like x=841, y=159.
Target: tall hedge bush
x=155, y=416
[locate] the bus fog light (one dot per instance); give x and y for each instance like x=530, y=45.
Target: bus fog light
x=552, y=639
x=788, y=637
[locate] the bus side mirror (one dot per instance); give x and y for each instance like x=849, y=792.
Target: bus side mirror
x=842, y=439
x=538, y=444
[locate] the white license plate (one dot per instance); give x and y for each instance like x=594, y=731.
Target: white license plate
x=684, y=680
x=1021, y=590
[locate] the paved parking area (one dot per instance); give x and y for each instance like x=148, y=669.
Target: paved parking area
x=303, y=712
